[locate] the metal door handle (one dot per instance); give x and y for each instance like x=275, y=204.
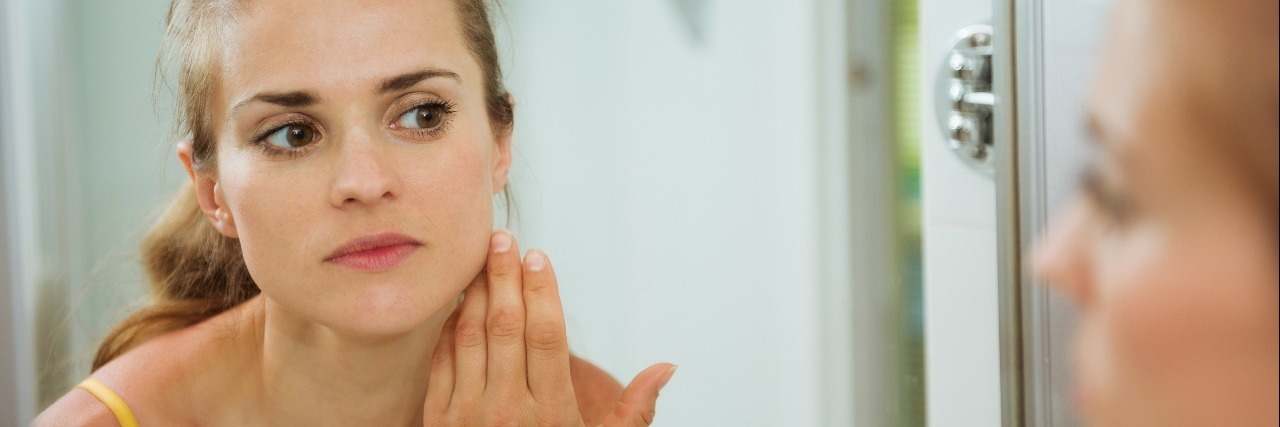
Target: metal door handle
x=965, y=99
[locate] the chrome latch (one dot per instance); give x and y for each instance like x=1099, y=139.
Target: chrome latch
x=964, y=97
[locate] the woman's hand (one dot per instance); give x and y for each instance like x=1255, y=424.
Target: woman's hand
x=503, y=356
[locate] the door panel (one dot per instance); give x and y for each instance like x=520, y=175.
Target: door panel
x=1057, y=44
x=962, y=345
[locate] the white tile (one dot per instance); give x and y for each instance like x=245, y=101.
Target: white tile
x=961, y=327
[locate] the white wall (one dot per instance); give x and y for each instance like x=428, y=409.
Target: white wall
x=115, y=171
x=84, y=171
x=17, y=371
x=30, y=144
x=121, y=166
x=673, y=180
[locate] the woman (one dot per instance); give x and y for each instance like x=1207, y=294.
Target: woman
x=1171, y=252
x=343, y=159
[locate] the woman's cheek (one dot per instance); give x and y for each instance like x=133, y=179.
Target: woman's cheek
x=1178, y=314
x=451, y=194
x=276, y=215
x=1132, y=328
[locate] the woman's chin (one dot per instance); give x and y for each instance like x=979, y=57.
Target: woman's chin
x=376, y=312
x=398, y=314
x=1086, y=379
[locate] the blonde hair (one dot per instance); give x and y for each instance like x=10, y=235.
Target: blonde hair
x=194, y=271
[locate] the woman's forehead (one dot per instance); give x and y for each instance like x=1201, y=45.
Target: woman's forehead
x=288, y=45
x=1177, y=85
x=1152, y=76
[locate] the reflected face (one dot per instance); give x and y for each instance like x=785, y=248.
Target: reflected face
x=356, y=159
x=1171, y=251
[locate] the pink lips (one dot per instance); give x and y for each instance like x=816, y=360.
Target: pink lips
x=374, y=252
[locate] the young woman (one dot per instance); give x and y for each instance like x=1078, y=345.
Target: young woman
x=343, y=158
x=1171, y=251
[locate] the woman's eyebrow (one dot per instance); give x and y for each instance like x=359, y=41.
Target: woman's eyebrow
x=1102, y=136
x=407, y=80
x=293, y=99
x=302, y=98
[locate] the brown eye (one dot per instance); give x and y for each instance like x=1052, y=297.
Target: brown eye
x=422, y=117
x=291, y=136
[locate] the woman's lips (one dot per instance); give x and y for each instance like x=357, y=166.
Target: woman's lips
x=374, y=252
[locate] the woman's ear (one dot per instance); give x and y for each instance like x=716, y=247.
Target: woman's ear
x=208, y=194
x=502, y=159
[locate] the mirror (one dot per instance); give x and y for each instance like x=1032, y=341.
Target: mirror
x=732, y=188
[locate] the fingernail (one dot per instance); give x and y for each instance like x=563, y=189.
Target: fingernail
x=500, y=242
x=535, y=260
x=667, y=377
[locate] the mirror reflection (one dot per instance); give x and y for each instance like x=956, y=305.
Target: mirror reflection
x=669, y=159
x=681, y=212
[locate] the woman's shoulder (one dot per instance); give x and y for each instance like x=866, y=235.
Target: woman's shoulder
x=160, y=380
x=76, y=408
x=142, y=380
x=596, y=390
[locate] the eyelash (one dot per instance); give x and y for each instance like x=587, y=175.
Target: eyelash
x=259, y=141
x=445, y=107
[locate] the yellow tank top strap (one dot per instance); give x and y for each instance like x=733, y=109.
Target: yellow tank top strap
x=113, y=401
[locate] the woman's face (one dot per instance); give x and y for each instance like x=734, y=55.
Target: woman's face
x=1171, y=251
x=355, y=158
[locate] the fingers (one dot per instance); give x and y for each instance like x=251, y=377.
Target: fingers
x=440, y=384
x=640, y=399
x=506, y=318
x=547, y=343
x=470, y=354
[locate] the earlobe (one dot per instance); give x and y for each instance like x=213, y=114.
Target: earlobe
x=502, y=159
x=184, y=156
x=502, y=162
x=224, y=221
x=208, y=194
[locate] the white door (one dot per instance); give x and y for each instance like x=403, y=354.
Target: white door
x=1057, y=46
x=996, y=342
x=958, y=224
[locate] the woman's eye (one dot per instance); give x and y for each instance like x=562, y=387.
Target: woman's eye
x=422, y=117
x=291, y=136
x=1116, y=205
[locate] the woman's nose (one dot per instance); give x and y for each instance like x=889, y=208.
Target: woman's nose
x=363, y=170
x=1062, y=259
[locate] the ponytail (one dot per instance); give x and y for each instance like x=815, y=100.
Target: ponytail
x=195, y=273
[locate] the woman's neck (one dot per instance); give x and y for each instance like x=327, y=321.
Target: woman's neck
x=310, y=374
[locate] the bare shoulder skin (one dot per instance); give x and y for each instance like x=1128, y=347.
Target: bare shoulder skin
x=163, y=380
x=76, y=408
